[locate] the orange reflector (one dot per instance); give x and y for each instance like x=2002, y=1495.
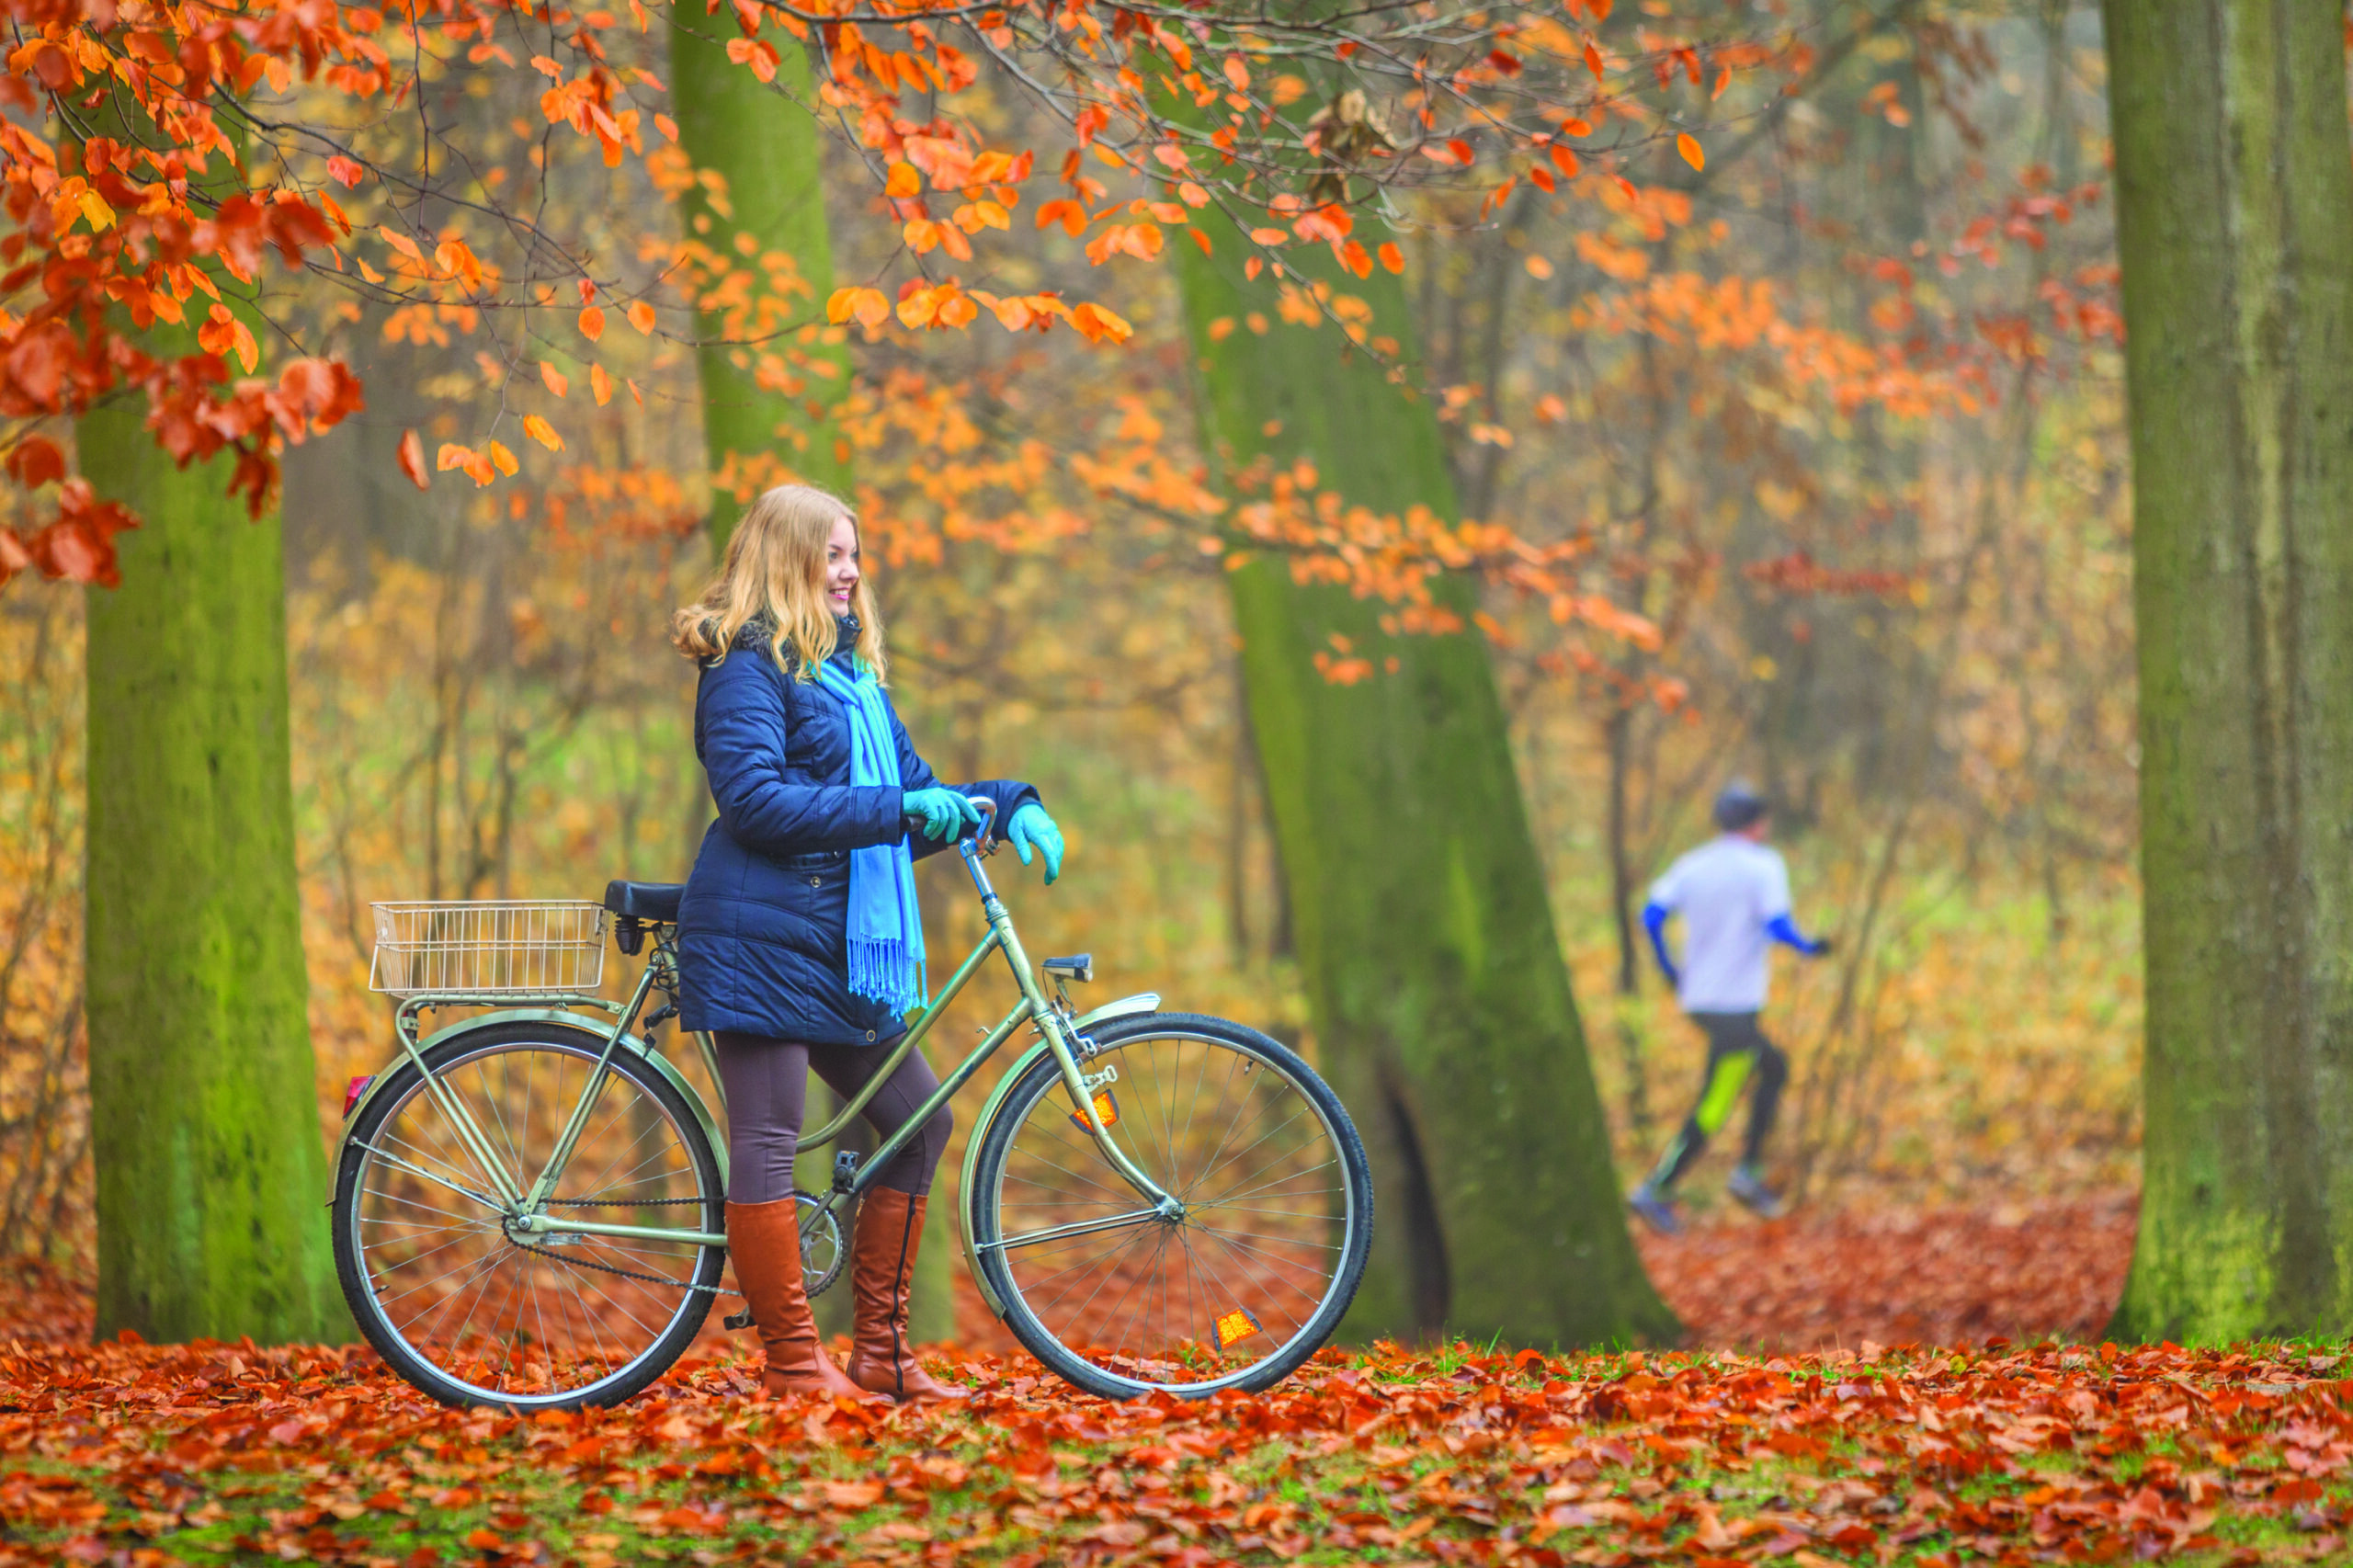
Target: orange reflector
x=1235, y=1328
x=1106, y=1111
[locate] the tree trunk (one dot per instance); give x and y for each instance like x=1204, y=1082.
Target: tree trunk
x=203, y=1104
x=2235, y=228
x=1441, y=1005
x=770, y=158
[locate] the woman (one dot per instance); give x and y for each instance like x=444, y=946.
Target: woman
x=800, y=944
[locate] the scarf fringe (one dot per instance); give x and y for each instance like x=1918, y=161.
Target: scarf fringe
x=881, y=972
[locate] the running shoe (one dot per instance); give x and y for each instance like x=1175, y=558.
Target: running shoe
x=1748, y=1188
x=1655, y=1209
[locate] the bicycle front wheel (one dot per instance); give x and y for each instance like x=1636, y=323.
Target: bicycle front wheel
x=1235, y=1289
x=469, y=1306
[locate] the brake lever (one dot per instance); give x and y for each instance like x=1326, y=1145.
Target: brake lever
x=985, y=841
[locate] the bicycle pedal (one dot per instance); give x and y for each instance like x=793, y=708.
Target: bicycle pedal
x=845, y=1169
x=738, y=1321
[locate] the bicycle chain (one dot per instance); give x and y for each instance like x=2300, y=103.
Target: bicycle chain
x=620, y=1202
x=644, y=1278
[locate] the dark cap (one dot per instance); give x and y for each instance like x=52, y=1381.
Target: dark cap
x=1738, y=805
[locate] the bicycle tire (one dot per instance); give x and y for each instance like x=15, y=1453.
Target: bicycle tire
x=401, y=1089
x=1042, y=1079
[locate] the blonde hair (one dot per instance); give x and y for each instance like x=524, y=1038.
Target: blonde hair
x=776, y=568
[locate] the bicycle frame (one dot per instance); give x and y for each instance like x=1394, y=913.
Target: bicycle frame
x=1050, y=1015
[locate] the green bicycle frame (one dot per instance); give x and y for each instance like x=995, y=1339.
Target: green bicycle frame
x=525, y=1209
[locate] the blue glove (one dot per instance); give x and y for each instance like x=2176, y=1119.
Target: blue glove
x=1781, y=928
x=945, y=812
x=1654, y=919
x=1030, y=825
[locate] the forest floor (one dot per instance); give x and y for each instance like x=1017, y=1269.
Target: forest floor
x=1868, y=1388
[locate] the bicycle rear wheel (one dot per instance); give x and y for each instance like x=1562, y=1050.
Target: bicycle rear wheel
x=1238, y=1290
x=471, y=1309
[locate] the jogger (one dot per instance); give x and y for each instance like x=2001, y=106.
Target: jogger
x=1734, y=896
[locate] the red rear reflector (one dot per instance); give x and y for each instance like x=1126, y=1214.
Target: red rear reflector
x=352, y=1091
x=1235, y=1328
x=1106, y=1111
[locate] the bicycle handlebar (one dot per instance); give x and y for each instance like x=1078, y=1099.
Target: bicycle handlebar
x=985, y=839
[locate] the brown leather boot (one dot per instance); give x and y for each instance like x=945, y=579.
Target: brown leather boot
x=882, y=1267
x=765, y=1241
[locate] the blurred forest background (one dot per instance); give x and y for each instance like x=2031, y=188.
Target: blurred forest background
x=1901, y=602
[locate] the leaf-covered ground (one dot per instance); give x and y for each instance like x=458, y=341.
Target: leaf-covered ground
x=2056, y=1451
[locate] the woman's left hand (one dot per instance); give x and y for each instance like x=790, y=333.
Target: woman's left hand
x=1030, y=825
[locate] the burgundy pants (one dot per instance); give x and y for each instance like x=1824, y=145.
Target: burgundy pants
x=767, y=1087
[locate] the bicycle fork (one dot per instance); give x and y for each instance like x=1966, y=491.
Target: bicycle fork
x=1064, y=1044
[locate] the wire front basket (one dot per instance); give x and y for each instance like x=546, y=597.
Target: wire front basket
x=504, y=948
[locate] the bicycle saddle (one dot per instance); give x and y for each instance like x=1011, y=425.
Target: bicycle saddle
x=657, y=901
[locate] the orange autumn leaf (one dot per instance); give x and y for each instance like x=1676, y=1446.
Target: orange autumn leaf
x=867, y=305
x=592, y=322
x=600, y=385
x=411, y=454
x=539, y=431
x=641, y=316
x=1688, y=145
x=554, y=379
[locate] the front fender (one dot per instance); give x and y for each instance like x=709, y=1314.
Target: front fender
x=1141, y=1002
x=663, y=1065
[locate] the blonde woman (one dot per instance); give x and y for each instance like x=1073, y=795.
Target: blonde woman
x=800, y=944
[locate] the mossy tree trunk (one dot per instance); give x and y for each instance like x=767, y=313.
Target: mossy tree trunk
x=1441, y=1005
x=2235, y=228
x=776, y=399
x=212, y=1172
x=768, y=400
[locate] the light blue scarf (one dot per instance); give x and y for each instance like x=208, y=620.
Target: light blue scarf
x=886, y=959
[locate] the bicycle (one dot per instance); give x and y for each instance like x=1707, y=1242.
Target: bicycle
x=1131, y=1207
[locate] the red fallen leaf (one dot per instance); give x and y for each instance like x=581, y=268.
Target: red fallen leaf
x=851, y=1495
x=484, y=1540
x=286, y=1432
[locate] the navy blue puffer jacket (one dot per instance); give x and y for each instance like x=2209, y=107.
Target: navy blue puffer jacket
x=762, y=928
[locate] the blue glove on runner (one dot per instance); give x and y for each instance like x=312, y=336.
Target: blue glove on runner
x=945, y=812
x=1654, y=920
x=1781, y=928
x=1030, y=825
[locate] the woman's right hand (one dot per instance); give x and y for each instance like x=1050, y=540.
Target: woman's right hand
x=945, y=812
